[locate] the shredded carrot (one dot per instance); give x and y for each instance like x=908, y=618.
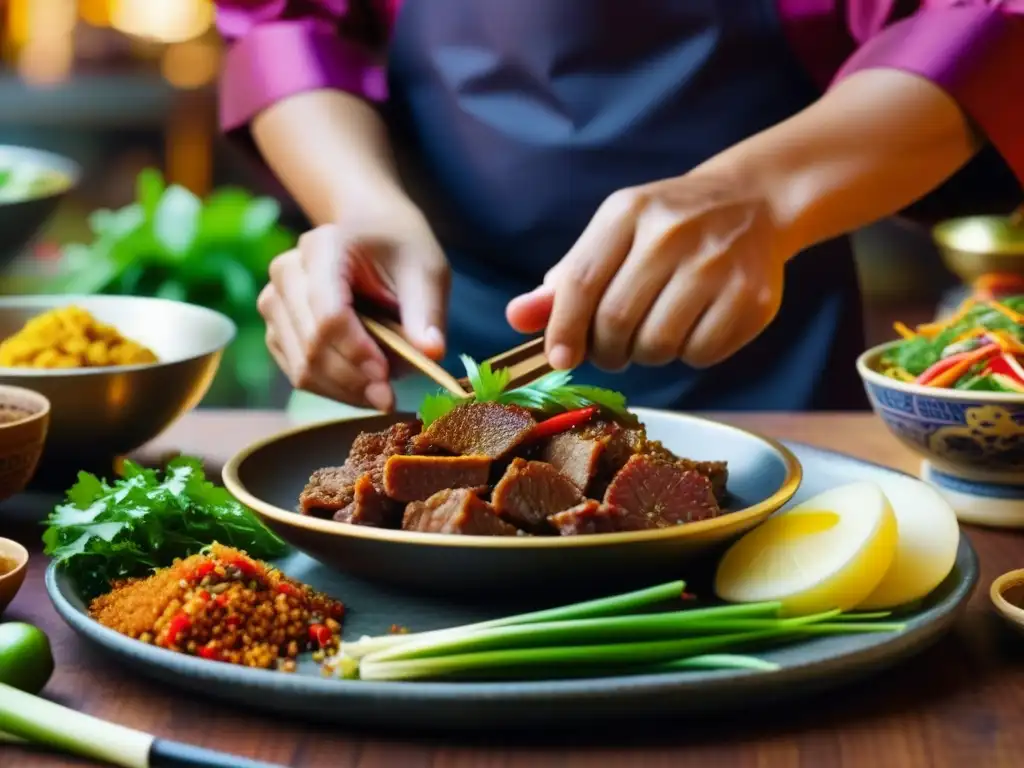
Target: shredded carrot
x=1006, y=311
x=955, y=371
x=1007, y=342
x=969, y=334
x=904, y=331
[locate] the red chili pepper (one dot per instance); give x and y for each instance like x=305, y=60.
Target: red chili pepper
x=209, y=652
x=221, y=599
x=337, y=611
x=203, y=595
x=247, y=567
x=178, y=624
x=940, y=367
x=320, y=634
x=563, y=422
x=287, y=589
x=203, y=569
x=233, y=620
x=1007, y=366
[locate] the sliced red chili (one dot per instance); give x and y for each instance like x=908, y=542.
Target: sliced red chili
x=247, y=567
x=563, y=422
x=221, y=599
x=178, y=624
x=287, y=589
x=203, y=595
x=202, y=570
x=210, y=652
x=320, y=634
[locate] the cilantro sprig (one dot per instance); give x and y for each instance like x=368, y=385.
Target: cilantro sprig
x=104, y=532
x=552, y=393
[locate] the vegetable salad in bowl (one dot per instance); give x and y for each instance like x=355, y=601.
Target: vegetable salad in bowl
x=978, y=348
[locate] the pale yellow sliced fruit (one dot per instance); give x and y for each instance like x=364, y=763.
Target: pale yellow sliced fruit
x=929, y=536
x=829, y=552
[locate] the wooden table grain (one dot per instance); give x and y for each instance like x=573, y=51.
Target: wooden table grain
x=958, y=704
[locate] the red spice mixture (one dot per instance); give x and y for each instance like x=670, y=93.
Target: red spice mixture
x=225, y=606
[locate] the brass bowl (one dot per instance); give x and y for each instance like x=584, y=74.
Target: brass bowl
x=978, y=245
x=269, y=475
x=22, y=217
x=100, y=413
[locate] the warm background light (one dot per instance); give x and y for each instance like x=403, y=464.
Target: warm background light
x=162, y=21
x=41, y=32
x=191, y=64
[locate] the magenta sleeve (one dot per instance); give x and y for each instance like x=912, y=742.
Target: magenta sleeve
x=973, y=51
x=276, y=52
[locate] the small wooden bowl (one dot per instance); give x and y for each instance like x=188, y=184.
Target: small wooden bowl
x=11, y=581
x=1007, y=595
x=24, y=421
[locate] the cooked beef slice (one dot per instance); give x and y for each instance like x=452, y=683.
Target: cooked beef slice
x=458, y=511
x=594, y=517
x=477, y=429
x=332, y=488
x=622, y=442
x=663, y=490
x=575, y=456
x=415, y=478
x=327, y=491
x=530, y=491
x=370, y=507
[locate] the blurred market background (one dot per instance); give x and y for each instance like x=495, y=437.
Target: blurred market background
x=122, y=86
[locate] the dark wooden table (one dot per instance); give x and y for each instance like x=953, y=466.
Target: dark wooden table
x=958, y=704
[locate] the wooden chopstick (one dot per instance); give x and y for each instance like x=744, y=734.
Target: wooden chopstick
x=526, y=363
x=389, y=334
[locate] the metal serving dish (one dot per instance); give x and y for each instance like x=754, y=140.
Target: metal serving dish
x=977, y=245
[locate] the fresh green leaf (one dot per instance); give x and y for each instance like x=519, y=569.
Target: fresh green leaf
x=259, y=217
x=105, y=532
x=150, y=189
x=176, y=220
x=435, y=406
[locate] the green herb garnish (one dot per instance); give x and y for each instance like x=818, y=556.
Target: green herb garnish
x=106, y=532
x=553, y=393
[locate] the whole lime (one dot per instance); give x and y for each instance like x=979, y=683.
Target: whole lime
x=26, y=661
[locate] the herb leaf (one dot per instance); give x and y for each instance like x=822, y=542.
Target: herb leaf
x=106, y=532
x=552, y=393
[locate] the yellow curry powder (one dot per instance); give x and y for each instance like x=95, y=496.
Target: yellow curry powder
x=70, y=337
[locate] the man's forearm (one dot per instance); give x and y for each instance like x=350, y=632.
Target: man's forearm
x=874, y=144
x=331, y=151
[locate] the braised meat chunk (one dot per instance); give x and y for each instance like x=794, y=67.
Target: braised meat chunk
x=530, y=492
x=575, y=456
x=663, y=491
x=333, y=488
x=477, y=429
x=370, y=506
x=458, y=511
x=594, y=517
x=415, y=478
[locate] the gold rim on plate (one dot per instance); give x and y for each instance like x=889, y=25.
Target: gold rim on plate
x=789, y=486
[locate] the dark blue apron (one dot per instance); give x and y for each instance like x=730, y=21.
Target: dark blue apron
x=514, y=119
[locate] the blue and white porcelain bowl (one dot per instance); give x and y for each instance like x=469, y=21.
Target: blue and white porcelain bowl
x=972, y=442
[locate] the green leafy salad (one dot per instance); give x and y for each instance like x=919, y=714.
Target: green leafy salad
x=105, y=532
x=979, y=347
x=553, y=393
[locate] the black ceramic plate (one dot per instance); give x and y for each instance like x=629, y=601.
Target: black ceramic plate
x=805, y=668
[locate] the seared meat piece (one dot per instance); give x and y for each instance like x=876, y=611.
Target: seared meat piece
x=370, y=507
x=477, y=429
x=594, y=517
x=531, y=491
x=622, y=442
x=663, y=490
x=458, y=511
x=332, y=488
x=575, y=456
x=328, y=490
x=415, y=478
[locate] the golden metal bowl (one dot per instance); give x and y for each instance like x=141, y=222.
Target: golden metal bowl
x=100, y=413
x=269, y=475
x=977, y=245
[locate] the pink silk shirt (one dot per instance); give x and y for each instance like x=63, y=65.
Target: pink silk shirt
x=972, y=49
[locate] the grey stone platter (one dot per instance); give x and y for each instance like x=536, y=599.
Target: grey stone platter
x=806, y=668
